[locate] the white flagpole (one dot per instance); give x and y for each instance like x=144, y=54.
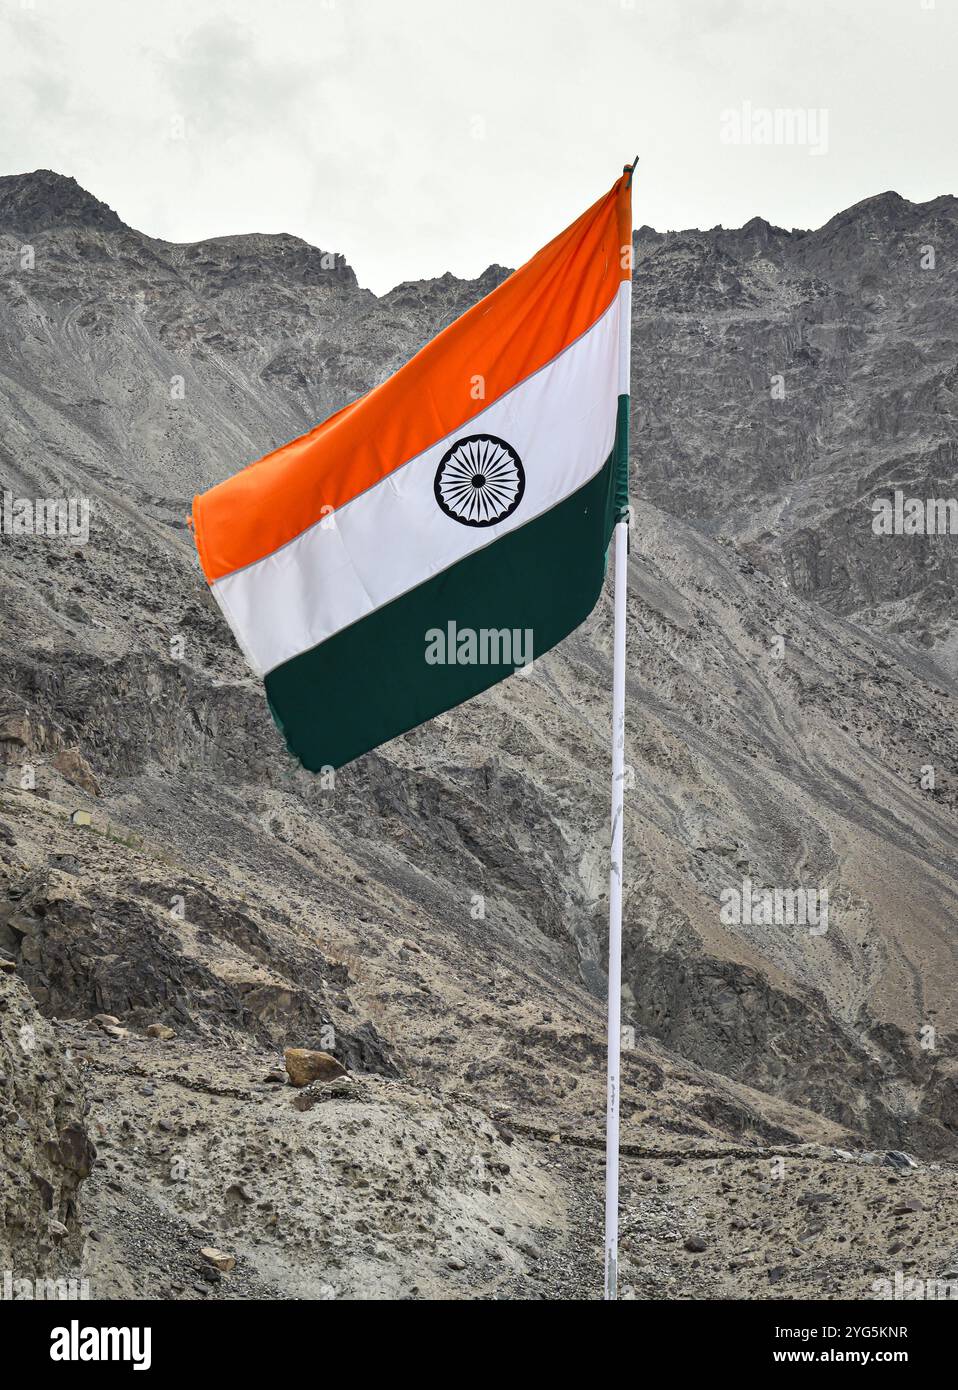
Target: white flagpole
x=615, y=869
x=615, y=917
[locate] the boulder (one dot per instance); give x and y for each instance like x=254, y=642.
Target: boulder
x=218, y=1259
x=304, y=1066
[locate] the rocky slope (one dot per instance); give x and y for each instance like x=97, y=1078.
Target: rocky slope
x=790, y=684
x=45, y=1148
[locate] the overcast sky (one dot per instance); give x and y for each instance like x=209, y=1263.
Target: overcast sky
x=418, y=136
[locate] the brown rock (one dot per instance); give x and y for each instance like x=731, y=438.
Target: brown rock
x=15, y=729
x=304, y=1066
x=72, y=765
x=218, y=1259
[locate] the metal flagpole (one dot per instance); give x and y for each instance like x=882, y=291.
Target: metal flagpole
x=615, y=869
x=615, y=917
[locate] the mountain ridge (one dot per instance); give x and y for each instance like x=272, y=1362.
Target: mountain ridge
x=47, y=194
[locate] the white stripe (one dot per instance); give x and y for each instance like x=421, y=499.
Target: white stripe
x=390, y=539
x=625, y=338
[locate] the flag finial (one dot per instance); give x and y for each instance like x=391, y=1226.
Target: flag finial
x=630, y=170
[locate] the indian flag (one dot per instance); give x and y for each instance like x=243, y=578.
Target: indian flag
x=429, y=539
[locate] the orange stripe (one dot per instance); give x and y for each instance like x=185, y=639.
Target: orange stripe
x=542, y=308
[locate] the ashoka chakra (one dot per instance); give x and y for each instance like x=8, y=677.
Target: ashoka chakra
x=480, y=480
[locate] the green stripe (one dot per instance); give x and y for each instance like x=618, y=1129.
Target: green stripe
x=371, y=681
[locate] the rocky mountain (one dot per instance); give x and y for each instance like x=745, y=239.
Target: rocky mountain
x=790, y=379
x=178, y=904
